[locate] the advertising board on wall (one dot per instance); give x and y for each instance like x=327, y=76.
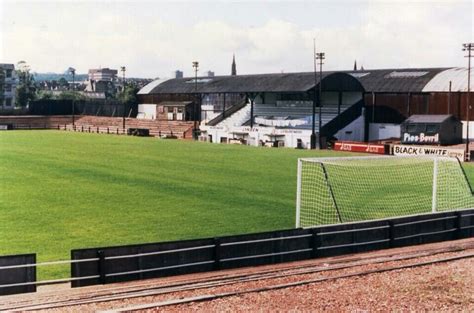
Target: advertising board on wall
x=421, y=138
x=359, y=147
x=403, y=150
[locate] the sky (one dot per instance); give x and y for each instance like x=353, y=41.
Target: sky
x=155, y=38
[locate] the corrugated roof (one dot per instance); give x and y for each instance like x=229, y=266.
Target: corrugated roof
x=396, y=80
x=149, y=87
x=381, y=80
x=429, y=118
x=290, y=82
x=457, y=76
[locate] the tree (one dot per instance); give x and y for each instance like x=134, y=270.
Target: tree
x=128, y=97
x=25, y=91
x=45, y=95
x=71, y=95
x=63, y=82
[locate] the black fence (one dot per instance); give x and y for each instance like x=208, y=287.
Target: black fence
x=17, y=274
x=125, y=263
x=109, y=108
x=134, y=262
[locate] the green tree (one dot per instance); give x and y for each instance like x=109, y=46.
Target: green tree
x=63, y=82
x=25, y=92
x=128, y=97
x=45, y=95
x=71, y=95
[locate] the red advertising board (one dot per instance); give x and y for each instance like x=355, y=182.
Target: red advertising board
x=359, y=147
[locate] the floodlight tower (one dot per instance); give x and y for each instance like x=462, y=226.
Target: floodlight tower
x=73, y=72
x=313, y=114
x=123, y=69
x=195, y=109
x=320, y=56
x=469, y=47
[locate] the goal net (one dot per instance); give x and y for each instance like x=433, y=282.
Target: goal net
x=340, y=190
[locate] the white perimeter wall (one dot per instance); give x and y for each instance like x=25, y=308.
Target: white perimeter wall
x=352, y=132
x=147, y=111
x=257, y=134
x=471, y=130
x=381, y=131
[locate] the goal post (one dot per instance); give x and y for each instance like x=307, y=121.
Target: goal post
x=349, y=189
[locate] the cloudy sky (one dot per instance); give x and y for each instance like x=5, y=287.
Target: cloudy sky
x=154, y=38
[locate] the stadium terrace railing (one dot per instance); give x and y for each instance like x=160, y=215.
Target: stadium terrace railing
x=114, y=130
x=125, y=263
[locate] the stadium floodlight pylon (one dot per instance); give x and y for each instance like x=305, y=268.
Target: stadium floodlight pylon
x=349, y=189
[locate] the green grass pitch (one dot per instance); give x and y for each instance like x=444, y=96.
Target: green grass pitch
x=60, y=191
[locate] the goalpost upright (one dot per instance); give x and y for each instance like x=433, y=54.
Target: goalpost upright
x=435, y=184
x=298, y=193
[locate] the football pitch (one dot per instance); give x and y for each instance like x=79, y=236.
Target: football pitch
x=61, y=191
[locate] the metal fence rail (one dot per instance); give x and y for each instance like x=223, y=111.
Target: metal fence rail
x=124, y=263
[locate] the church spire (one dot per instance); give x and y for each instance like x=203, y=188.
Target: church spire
x=355, y=65
x=234, y=67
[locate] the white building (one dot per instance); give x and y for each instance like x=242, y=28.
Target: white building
x=9, y=85
x=101, y=80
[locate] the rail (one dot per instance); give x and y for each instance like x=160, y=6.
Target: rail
x=236, y=251
x=219, y=118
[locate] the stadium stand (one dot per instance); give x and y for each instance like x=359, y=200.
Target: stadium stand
x=389, y=97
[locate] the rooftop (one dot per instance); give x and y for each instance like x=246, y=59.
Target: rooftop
x=419, y=118
x=380, y=80
x=288, y=82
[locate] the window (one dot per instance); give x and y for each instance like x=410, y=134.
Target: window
x=8, y=102
x=8, y=88
x=407, y=74
x=412, y=128
x=431, y=128
x=9, y=73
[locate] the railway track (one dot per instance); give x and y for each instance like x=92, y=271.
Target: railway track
x=211, y=297
x=216, y=280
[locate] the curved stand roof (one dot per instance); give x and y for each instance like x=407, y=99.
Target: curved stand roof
x=415, y=80
x=290, y=82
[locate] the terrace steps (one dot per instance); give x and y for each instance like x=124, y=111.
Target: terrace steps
x=100, y=124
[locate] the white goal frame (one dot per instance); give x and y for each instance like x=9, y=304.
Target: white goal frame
x=434, y=194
